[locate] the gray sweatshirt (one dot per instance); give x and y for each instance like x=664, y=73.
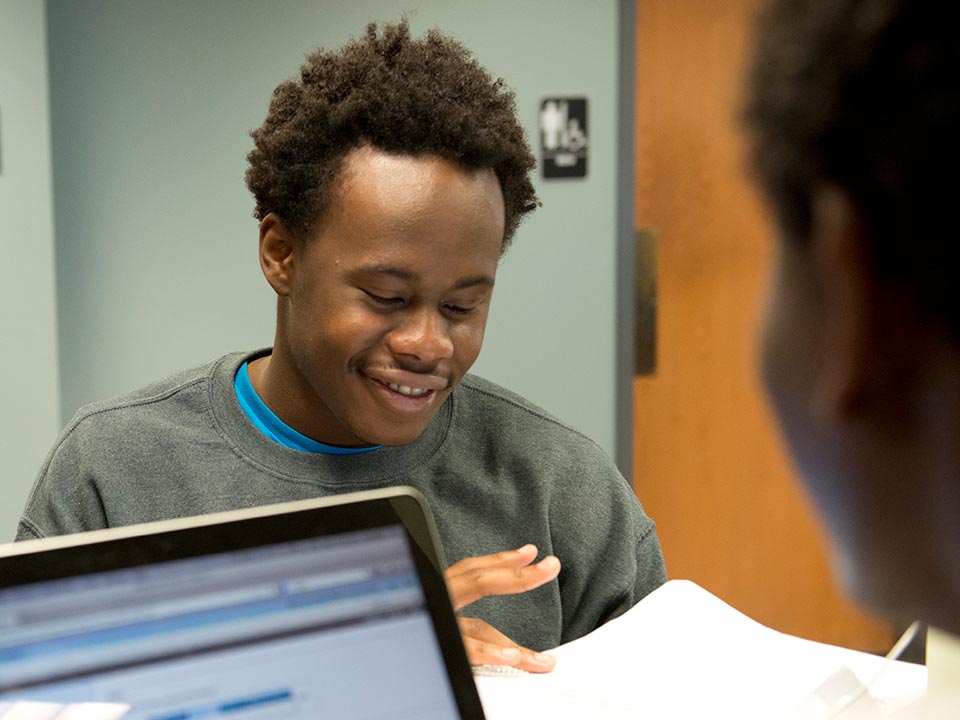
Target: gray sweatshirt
x=497, y=472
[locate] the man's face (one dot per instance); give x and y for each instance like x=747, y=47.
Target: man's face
x=388, y=300
x=838, y=424
x=795, y=350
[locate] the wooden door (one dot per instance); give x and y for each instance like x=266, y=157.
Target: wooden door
x=708, y=462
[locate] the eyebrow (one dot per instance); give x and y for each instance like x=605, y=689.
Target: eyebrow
x=407, y=276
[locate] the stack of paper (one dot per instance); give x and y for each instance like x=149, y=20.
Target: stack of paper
x=683, y=653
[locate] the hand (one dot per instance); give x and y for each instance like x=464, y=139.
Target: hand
x=504, y=573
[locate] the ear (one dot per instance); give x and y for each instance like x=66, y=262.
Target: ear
x=842, y=262
x=277, y=246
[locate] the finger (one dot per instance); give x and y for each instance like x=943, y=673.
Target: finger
x=485, y=645
x=535, y=662
x=468, y=587
x=508, y=558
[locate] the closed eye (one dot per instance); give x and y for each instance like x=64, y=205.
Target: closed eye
x=458, y=310
x=385, y=301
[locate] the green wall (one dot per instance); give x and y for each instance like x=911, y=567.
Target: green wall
x=30, y=394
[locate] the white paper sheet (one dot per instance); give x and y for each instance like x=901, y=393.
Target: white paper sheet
x=684, y=653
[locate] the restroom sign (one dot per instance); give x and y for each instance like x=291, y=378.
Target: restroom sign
x=564, y=140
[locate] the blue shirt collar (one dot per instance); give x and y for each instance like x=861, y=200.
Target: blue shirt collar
x=276, y=429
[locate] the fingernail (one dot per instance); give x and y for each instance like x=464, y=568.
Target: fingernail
x=510, y=654
x=549, y=563
x=543, y=659
x=527, y=548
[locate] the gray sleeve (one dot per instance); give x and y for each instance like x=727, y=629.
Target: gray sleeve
x=64, y=498
x=651, y=572
x=613, y=555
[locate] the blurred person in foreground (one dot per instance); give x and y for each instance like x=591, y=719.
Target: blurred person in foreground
x=853, y=110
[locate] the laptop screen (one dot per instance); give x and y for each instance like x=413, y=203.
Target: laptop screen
x=329, y=625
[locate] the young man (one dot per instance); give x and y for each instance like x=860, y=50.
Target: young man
x=854, y=110
x=389, y=179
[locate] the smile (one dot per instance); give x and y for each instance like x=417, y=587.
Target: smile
x=408, y=391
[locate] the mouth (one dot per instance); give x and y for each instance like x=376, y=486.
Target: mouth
x=406, y=394
x=413, y=392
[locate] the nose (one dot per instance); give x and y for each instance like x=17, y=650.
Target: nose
x=423, y=335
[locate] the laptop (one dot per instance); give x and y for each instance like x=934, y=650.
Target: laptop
x=330, y=608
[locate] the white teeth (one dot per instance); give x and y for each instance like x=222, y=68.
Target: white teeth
x=408, y=391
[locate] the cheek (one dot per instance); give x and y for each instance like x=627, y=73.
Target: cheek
x=468, y=339
x=330, y=331
x=788, y=353
x=792, y=347
x=358, y=327
x=775, y=332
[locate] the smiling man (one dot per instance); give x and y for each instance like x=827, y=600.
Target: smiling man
x=389, y=179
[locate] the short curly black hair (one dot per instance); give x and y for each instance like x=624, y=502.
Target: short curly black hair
x=403, y=96
x=865, y=95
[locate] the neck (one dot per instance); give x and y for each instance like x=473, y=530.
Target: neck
x=293, y=400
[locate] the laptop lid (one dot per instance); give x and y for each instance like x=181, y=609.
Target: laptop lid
x=322, y=608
